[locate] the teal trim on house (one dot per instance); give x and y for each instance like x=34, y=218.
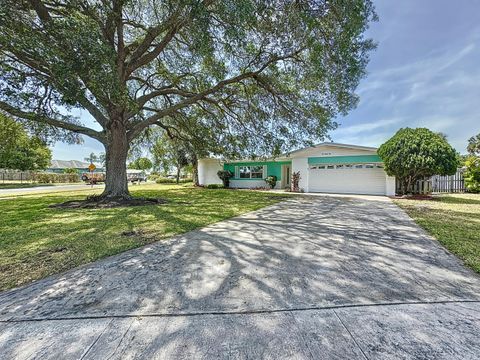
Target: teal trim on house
x=273, y=168
x=352, y=159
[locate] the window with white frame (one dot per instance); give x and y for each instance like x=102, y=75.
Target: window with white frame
x=250, y=172
x=244, y=172
x=256, y=172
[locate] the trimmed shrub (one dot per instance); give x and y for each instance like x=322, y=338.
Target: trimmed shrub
x=52, y=178
x=161, y=180
x=271, y=180
x=214, y=186
x=225, y=176
x=417, y=154
x=153, y=177
x=70, y=171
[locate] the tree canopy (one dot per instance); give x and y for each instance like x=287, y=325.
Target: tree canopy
x=92, y=158
x=172, y=154
x=473, y=146
x=20, y=151
x=248, y=76
x=141, y=163
x=415, y=154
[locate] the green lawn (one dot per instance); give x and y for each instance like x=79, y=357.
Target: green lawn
x=17, y=185
x=452, y=219
x=37, y=241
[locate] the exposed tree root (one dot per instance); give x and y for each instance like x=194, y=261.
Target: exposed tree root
x=105, y=202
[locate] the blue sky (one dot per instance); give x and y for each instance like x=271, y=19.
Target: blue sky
x=424, y=73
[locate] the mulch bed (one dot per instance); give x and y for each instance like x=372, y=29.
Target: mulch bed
x=108, y=203
x=414, y=197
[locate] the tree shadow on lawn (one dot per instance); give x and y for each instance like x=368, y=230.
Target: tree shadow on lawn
x=38, y=241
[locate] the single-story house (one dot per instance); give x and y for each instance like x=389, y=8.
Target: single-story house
x=58, y=166
x=327, y=167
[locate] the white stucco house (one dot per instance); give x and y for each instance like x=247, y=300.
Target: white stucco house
x=325, y=168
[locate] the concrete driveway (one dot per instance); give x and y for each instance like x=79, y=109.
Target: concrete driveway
x=309, y=278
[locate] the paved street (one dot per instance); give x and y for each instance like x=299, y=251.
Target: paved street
x=54, y=188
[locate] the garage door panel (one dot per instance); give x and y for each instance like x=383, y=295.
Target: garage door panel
x=348, y=181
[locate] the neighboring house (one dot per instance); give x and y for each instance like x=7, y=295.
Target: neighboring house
x=327, y=167
x=58, y=166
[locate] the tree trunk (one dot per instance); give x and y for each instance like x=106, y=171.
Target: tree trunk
x=178, y=174
x=116, y=151
x=195, y=172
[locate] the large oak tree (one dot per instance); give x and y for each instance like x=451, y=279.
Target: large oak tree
x=262, y=76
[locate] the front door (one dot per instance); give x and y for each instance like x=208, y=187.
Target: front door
x=286, y=176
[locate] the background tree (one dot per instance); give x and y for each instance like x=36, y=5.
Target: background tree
x=473, y=146
x=141, y=163
x=20, y=151
x=94, y=158
x=416, y=154
x=171, y=154
x=269, y=74
x=472, y=174
x=70, y=171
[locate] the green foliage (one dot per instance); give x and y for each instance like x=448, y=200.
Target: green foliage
x=472, y=174
x=473, y=146
x=415, y=154
x=462, y=159
x=18, y=150
x=225, y=176
x=271, y=181
x=171, y=154
x=214, y=186
x=142, y=163
x=70, y=171
x=52, y=178
x=94, y=158
x=257, y=73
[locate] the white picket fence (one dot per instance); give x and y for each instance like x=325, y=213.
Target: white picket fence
x=439, y=184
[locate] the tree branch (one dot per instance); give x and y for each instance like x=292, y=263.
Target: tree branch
x=138, y=127
x=41, y=10
x=53, y=122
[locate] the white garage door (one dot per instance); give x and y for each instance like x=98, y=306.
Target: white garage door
x=347, y=179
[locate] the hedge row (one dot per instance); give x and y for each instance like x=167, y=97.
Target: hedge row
x=172, y=181
x=214, y=186
x=51, y=178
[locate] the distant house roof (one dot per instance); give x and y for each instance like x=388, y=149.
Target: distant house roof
x=68, y=164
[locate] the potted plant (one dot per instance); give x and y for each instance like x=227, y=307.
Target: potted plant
x=271, y=180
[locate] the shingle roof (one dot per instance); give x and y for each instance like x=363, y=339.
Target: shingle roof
x=66, y=164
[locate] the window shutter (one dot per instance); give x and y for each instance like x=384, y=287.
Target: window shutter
x=264, y=171
x=237, y=173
